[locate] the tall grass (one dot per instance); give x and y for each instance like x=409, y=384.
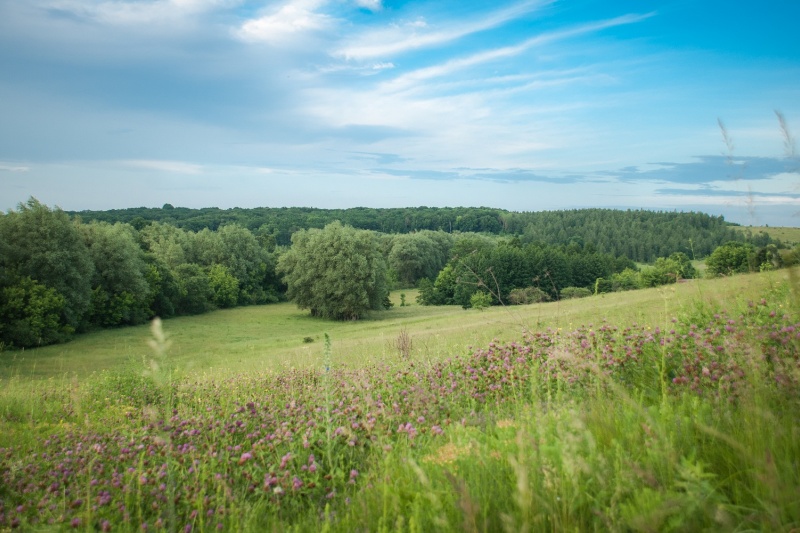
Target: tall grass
x=686, y=422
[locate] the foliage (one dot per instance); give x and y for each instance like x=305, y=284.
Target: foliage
x=164, y=288
x=250, y=263
x=414, y=256
x=336, y=272
x=667, y=270
x=30, y=314
x=195, y=292
x=480, y=300
x=568, y=293
x=528, y=295
x=44, y=245
x=120, y=290
x=636, y=234
x=627, y=280
x=224, y=287
x=731, y=258
x=501, y=269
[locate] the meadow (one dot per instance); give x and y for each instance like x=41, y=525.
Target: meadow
x=670, y=409
x=787, y=235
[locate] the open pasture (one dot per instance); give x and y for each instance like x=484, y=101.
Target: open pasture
x=275, y=337
x=787, y=235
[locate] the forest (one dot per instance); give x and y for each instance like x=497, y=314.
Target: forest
x=640, y=235
x=62, y=273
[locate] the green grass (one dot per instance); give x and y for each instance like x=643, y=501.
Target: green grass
x=577, y=420
x=788, y=236
x=272, y=337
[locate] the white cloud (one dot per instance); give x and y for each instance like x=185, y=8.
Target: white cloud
x=294, y=17
x=454, y=65
x=137, y=13
x=402, y=38
x=15, y=168
x=178, y=167
x=372, y=5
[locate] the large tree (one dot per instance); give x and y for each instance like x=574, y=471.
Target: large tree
x=44, y=245
x=414, y=256
x=120, y=290
x=337, y=272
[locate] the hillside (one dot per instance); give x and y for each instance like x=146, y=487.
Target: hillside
x=789, y=237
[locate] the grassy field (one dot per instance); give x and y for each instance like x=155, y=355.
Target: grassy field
x=788, y=236
x=273, y=337
x=672, y=409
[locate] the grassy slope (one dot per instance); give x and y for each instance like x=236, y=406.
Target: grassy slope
x=788, y=236
x=272, y=337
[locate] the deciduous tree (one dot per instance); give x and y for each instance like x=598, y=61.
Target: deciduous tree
x=45, y=245
x=336, y=272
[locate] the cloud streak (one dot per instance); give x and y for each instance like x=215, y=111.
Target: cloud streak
x=414, y=35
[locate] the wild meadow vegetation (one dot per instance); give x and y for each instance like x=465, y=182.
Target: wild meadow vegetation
x=674, y=408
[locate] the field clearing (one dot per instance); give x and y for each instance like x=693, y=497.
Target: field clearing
x=274, y=337
x=788, y=236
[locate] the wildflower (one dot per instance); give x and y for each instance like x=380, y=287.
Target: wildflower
x=246, y=456
x=285, y=460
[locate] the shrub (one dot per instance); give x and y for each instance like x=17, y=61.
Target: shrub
x=480, y=300
x=528, y=295
x=568, y=293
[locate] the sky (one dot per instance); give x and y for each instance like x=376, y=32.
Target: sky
x=522, y=105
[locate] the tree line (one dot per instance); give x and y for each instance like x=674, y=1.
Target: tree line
x=61, y=274
x=639, y=235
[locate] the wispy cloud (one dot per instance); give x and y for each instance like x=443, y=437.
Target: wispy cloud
x=14, y=168
x=416, y=34
x=372, y=5
x=293, y=18
x=178, y=167
x=449, y=67
x=134, y=13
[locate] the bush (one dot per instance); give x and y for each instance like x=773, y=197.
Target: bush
x=528, y=295
x=568, y=293
x=730, y=258
x=480, y=300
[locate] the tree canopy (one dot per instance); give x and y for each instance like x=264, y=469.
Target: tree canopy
x=640, y=235
x=336, y=272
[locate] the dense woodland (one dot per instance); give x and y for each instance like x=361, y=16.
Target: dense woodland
x=62, y=273
x=639, y=235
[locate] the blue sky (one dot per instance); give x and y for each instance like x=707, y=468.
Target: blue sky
x=526, y=105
